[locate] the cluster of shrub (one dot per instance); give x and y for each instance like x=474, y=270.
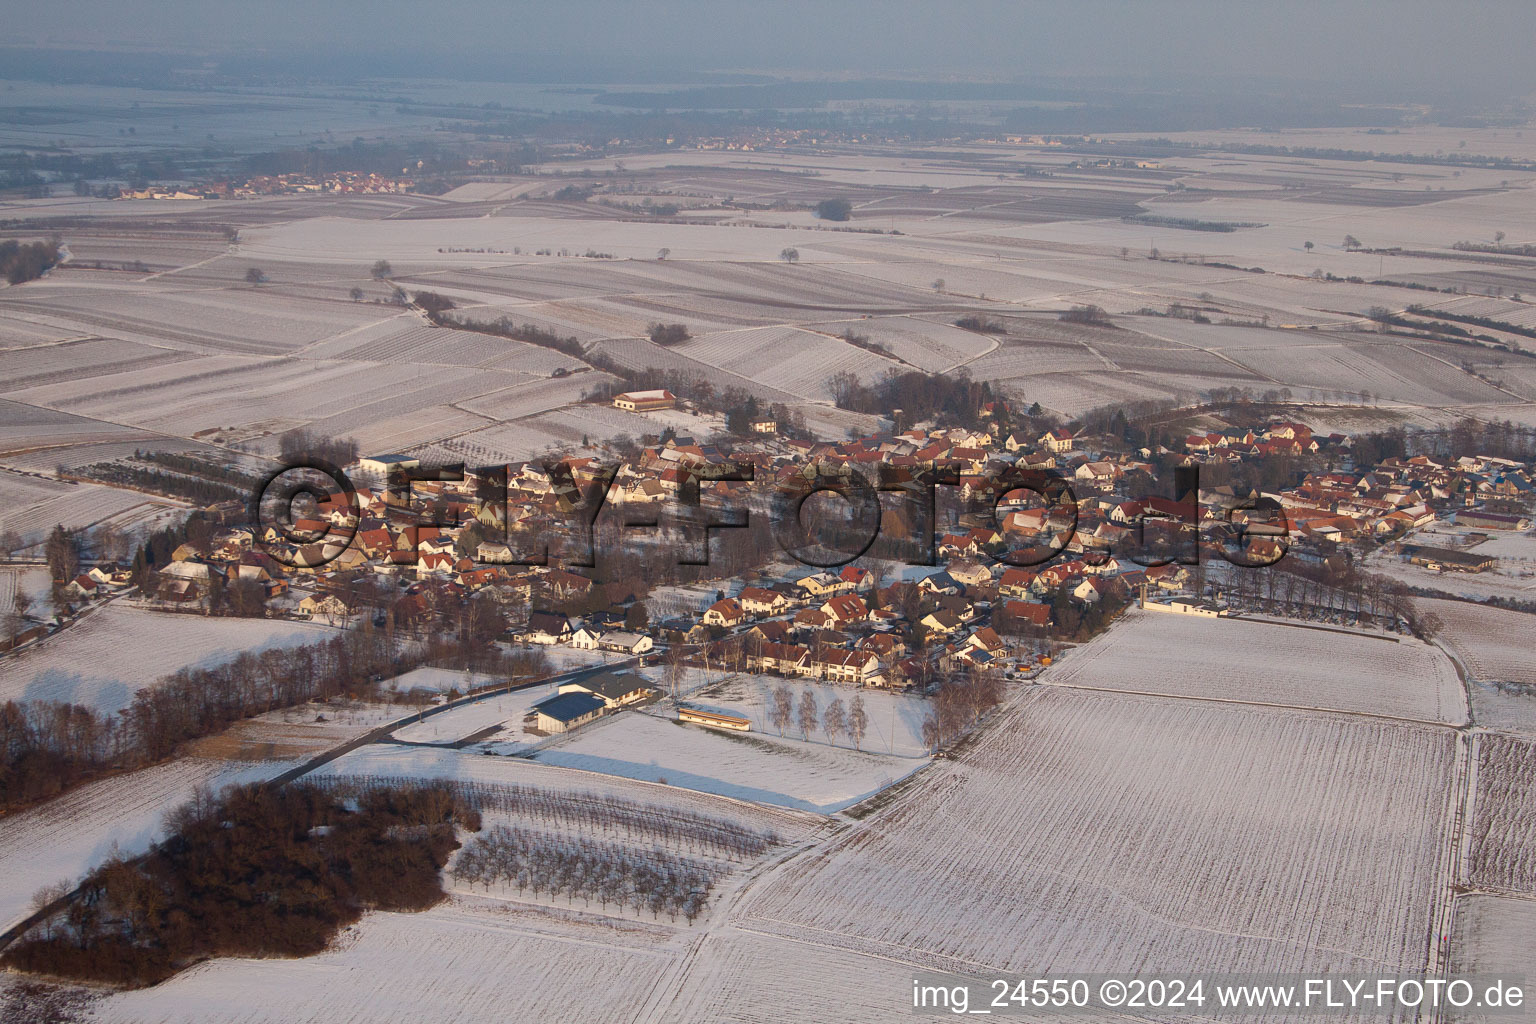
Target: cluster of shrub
x=950, y=398
x=864, y=342
x=256, y=872
x=21, y=261
x=196, y=489
x=981, y=325
x=301, y=445
x=1190, y=223
x=609, y=873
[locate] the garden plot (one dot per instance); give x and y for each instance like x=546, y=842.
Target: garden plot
x=1266, y=662
x=62, y=839
x=80, y=506
x=1493, y=940
x=1094, y=832
x=1494, y=643
x=1501, y=855
x=932, y=347
x=244, y=320
x=831, y=423
x=340, y=398
x=786, y=359
x=462, y=961
x=34, y=584
x=767, y=769
x=1074, y=393
x=533, y=397
x=74, y=360
x=422, y=345
x=114, y=651
x=1017, y=361
x=17, y=331
x=641, y=354
x=24, y=427
x=1146, y=355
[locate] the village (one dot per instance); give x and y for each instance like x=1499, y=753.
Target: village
x=1010, y=581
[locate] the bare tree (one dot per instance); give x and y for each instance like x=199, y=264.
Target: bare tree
x=381, y=270
x=10, y=542
x=858, y=721
x=834, y=720
x=782, y=710
x=789, y=255
x=255, y=275
x=808, y=713
x=356, y=293
x=931, y=732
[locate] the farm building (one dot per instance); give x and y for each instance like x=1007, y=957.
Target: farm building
x=614, y=688
x=566, y=711
x=1448, y=559
x=714, y=719
x=644, y=401
x=383, y=465
x=1492, y=521
x=1187, y=606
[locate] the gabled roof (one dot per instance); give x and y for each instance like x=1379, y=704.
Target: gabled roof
x=567, y=707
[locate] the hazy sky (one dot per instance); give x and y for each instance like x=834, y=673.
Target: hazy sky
x=1484, y=44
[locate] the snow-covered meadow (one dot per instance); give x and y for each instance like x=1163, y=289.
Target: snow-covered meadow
x=112, y=652
x=1269, y=662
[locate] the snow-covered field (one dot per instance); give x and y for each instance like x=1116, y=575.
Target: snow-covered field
x=456, y=962
x=1107, y=832
x=1265, y=662
x=113, y=652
